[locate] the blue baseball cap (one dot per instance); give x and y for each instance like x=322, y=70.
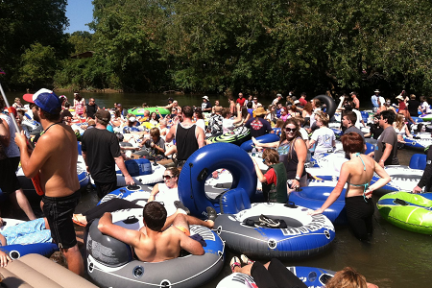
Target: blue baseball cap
x=45, y=99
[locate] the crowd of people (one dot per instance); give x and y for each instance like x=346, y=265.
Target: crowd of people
x=302, y=125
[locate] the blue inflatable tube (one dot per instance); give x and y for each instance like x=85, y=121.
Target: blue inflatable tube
x=417, y=119
x=418, y=161
x=314, y=198
x=17, y=251
x=206, y=160
x=267, y=138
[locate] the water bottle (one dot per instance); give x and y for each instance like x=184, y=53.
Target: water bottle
x=254, y=150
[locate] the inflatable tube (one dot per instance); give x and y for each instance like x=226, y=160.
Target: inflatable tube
x=110, y=262
x=139, y=195
x=312, y=277
x=337, y=132
x=403, y=178
x=16, y=251
x=142, y=172
x=329, y=102
x=83, y=176
x=419, y=141
x=236, y=137
x=408, y=211
x=267, y=138
x=417, y=119
x=206, y=160
x=418, y=161
x=313, y=197
x=37, y=271
x=427, y=117
x=140, y=111
x=31, y=126
x=305, y=235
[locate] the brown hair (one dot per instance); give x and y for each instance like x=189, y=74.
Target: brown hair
x=154, y=132
x=296, y=135
x=352, y=142
x=175, y=172
x=271, y=155
x=308, y=108
x=351, y=116
x=225, y=112
x=279, y=123
x=323, y=117
x=155, y=215
x=347, y=278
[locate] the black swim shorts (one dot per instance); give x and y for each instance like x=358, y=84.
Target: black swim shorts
x=8, y=180
x=59, y=212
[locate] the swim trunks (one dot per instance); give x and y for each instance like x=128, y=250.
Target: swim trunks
x=59, y=212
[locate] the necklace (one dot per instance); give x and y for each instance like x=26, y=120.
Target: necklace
x=46, y=130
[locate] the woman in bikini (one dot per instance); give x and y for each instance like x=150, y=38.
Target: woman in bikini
x=357, y=172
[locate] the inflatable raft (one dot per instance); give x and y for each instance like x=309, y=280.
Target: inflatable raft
x=139, y=194
x=304, y=236
x=140, y=111
x=408, y=211
x=83, y=176
x=110, y=263
x=419, y=141
x=267, y=138
x=403, y=178
x=39, y=272
x=142, y=171
x=16, y=251
x=314, y=197
x=236, y=137
x=312, y=278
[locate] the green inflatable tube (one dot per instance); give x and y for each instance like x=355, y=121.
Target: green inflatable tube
x=408, y=211
x=140, y=111
x=236, y=137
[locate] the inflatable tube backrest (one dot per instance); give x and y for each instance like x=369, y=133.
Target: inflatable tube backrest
x=418, y=161
x=137, y=167
x=329, y=102
x=106, y=249
x=206, y=160
x=267, y=138
x=369, y=148
x=234, y=201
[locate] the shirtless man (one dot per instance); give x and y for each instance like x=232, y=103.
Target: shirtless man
x=157, y=241
x=55, y=159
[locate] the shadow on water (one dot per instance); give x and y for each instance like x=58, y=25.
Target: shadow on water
x=394, y=258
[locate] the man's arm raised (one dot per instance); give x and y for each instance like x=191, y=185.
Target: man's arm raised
x=41, y=153
x=130, y=237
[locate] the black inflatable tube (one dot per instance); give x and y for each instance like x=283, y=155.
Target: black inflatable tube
x=329, y=102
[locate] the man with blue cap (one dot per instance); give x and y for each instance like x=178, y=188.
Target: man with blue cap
x=54, y=162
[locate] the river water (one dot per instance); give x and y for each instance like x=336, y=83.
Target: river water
x=395, y=257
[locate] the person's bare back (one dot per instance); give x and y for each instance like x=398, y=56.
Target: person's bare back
x=161, y=246
x=164, y=240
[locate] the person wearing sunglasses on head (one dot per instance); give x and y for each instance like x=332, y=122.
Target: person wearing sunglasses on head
x=292, y=153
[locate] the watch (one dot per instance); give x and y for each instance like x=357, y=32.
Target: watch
x=297, y=178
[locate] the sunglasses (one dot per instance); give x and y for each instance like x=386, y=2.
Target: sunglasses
x=166, y=177
x=290, y=130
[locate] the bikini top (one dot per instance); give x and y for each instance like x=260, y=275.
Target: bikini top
x=365, y=185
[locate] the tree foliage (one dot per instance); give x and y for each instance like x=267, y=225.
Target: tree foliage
x=264, y=46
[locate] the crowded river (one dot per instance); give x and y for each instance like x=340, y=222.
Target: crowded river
x=393, y=258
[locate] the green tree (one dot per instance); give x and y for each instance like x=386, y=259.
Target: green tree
x=39, y=64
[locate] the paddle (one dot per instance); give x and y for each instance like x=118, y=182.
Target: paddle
x=36, y=179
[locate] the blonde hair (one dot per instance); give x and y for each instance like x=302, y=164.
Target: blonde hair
x=323, y=117
x=347, y=278
x=399, y=121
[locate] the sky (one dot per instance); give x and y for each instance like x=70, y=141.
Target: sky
x=79, y=12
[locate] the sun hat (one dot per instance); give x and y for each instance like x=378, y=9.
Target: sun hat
x=278, y=95
x=376, y=91
x=205, y=97
x=400, y=98
x=259, y=111
x=45, y=99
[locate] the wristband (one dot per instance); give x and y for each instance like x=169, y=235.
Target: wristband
x=297, y=178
